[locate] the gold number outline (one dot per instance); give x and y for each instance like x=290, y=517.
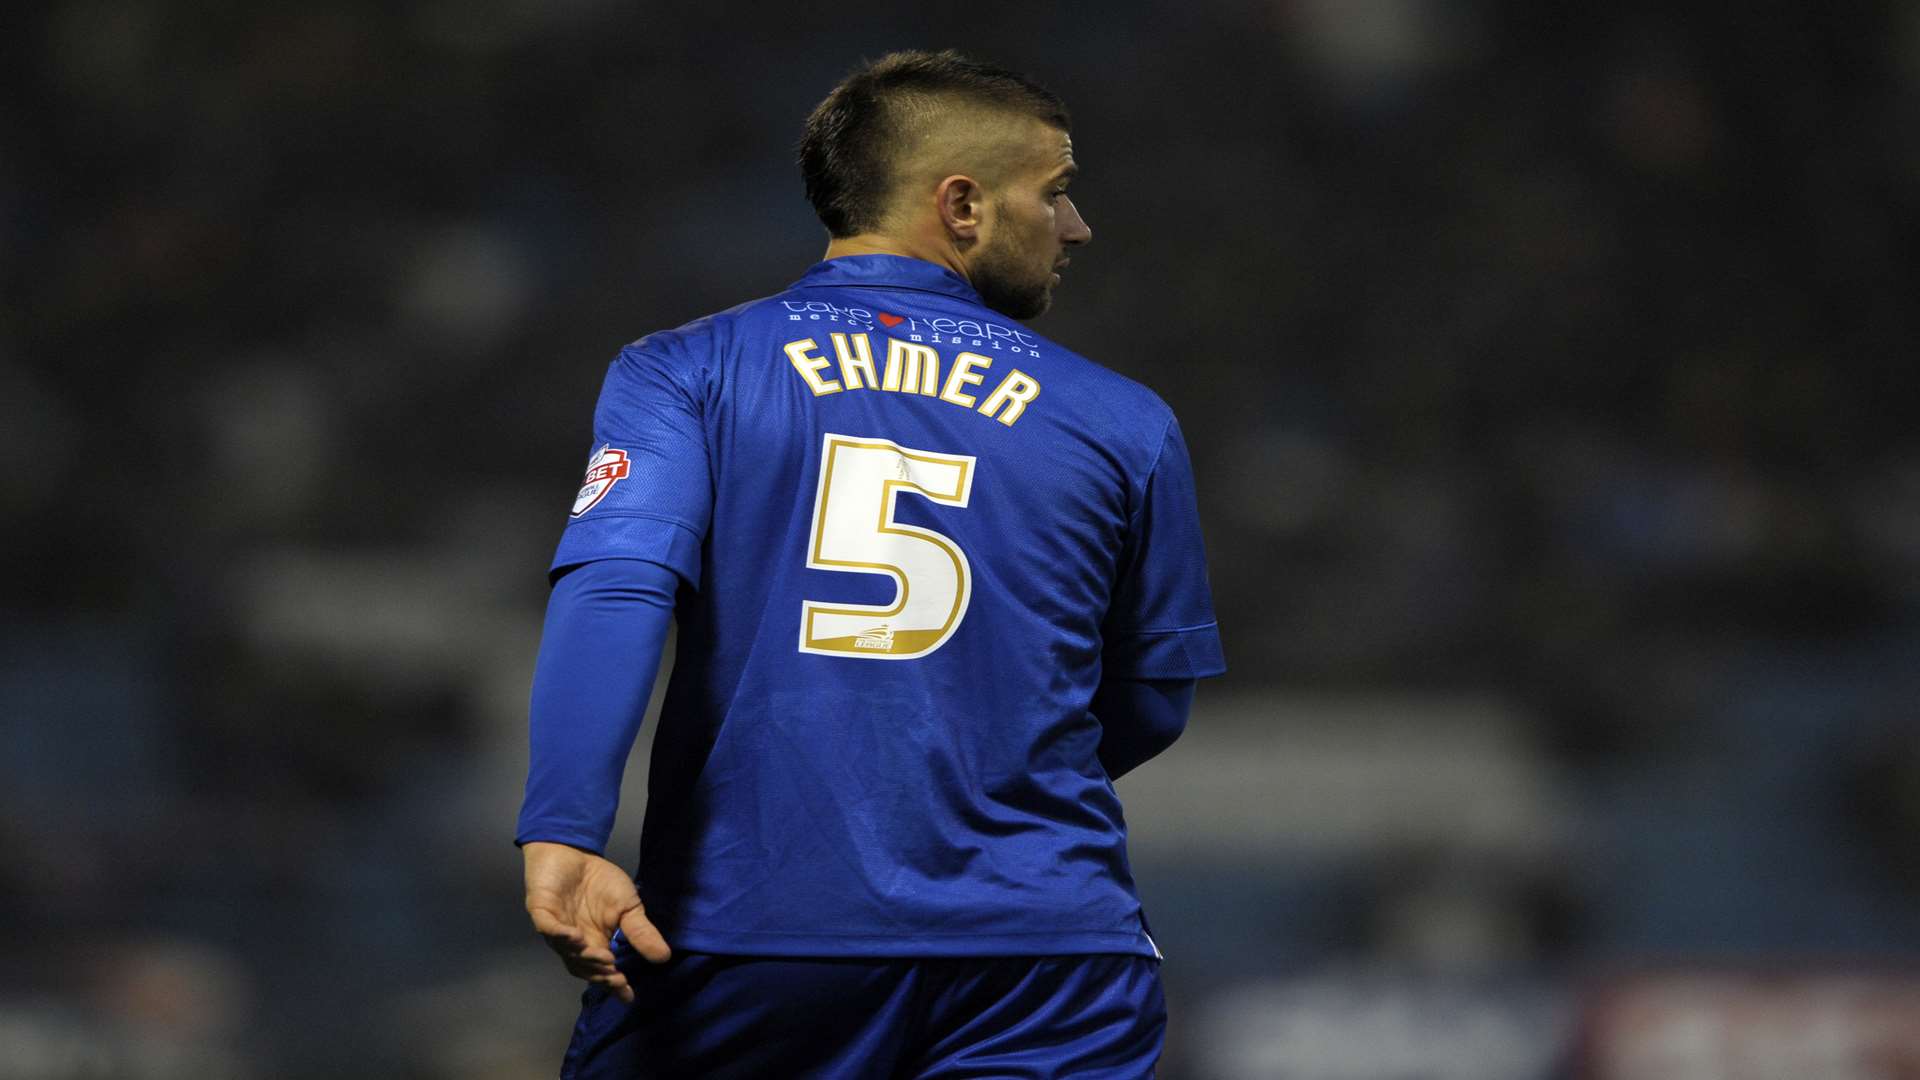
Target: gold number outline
x=889, y=500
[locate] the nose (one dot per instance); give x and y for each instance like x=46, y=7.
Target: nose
x=1073, y=228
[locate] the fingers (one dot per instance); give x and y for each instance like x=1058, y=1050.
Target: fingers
x=611, y=979
x=595, y=964
x=644, y=937
x=585, y=953
x=595, y=957
x=561, y=937
x=622, y=990
x=592, y=970
x=576, y=921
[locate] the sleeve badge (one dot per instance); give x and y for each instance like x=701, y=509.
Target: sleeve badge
x=607, y=468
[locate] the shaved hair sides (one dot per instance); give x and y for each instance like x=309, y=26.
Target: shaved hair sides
x=854, y=140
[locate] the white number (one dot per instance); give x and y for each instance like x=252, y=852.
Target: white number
x=854, y=532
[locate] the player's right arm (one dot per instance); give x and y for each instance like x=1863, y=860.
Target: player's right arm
x=606, y=626
x=632, y=541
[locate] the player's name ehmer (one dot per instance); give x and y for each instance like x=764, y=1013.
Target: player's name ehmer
x=911, y=368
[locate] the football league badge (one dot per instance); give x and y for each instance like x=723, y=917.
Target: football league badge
x=607, y=468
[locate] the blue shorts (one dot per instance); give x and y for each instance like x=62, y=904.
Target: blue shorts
x=701, y=1015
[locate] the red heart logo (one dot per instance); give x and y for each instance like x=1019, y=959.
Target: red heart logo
x=891, y=321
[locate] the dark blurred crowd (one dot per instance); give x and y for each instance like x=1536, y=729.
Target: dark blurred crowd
x=1558, y=353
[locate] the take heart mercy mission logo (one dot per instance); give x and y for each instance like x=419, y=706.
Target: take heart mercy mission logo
x=920, y=329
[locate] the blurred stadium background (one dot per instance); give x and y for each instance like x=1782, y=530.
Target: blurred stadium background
x=1543, y=367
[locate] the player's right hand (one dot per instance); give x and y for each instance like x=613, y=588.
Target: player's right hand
x=577, y=900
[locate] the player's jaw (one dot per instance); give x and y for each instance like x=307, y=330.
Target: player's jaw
x=1017, y=283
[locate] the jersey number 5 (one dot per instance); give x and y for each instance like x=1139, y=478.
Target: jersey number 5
x=854, y=532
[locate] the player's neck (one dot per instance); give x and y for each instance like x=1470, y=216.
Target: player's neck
x=888, y=244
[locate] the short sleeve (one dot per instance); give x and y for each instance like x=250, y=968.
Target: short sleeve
x=1160, y=624
x=648, y=492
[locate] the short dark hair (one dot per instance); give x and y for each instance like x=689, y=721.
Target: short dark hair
x=846, y=152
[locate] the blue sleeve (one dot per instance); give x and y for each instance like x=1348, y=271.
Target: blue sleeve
x=648, y=491
x=606, y=625
x=1160, y=624
x=1138, y=719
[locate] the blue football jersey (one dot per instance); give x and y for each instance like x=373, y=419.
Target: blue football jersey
x=913, y=535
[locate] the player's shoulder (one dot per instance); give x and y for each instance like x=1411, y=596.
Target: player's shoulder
x=696, y=345
x=1098, y=383
x=1126, y=417
x=692, y=342
x=690, y=354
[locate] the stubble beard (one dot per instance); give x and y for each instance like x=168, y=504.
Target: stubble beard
x=1005, y=285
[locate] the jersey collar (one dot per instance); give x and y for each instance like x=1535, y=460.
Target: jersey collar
x=886, y=272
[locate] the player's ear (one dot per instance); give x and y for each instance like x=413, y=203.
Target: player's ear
x=961, y=204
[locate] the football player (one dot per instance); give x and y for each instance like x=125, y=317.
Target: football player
x=938, y=582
